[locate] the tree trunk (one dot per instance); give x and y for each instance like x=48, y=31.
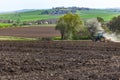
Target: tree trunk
x=62, y=35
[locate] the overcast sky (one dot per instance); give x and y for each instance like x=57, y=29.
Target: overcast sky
x=10, y=5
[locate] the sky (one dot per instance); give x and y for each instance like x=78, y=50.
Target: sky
x=11, y=5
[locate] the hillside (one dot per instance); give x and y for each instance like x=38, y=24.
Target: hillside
x=33, y=15
x=26, y=16
x=105, y=14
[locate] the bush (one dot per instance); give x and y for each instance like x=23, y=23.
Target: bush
x=56, y=38
x=46, y=39
x=114, y=24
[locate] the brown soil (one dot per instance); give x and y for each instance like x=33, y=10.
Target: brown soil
x=30, y=32
x=59, y=60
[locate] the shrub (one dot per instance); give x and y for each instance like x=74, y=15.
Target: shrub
x=46, y=39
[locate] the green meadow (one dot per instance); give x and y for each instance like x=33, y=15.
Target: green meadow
x=4, y=25
x=12, y=38
x=26, y=16
x=105, y=14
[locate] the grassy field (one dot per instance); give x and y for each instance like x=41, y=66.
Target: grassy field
x=12, y=38
x=26, y=16
x=105, y=14
x=4, y=25
x=35, y=15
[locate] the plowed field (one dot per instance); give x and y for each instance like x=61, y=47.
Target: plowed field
x=30, y=32
x=59, y=60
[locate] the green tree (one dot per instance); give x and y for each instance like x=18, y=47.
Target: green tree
x=100, y=19
x=92, y=25
x=114, y=24
x=103, y=24
x=95, y=26
x=69, y=25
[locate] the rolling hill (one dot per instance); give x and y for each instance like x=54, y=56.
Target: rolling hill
x=33, y=15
